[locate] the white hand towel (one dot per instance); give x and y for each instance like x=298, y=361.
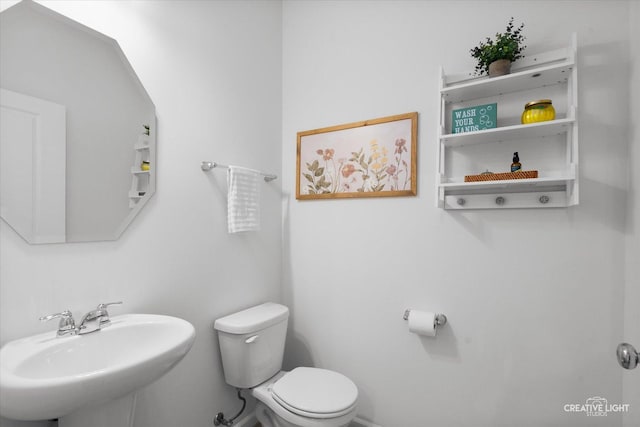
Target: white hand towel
x=243, y=199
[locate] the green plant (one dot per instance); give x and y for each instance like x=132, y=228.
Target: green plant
x=508, y=45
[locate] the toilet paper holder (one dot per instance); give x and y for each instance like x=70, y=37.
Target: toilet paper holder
x=440, y=320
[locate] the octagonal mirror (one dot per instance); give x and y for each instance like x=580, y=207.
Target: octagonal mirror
x=77, y=130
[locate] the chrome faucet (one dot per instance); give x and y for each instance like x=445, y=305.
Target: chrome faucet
x=67, y=325
x=90, y=322
x=96, y=319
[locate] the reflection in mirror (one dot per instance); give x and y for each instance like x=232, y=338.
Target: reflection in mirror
x=77, y=139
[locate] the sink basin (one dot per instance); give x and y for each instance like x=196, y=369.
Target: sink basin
x=46, y=377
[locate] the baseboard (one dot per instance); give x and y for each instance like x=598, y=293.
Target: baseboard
x=359, y=422
x=251, y=421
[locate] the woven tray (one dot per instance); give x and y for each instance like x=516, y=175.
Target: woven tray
x=501, y=176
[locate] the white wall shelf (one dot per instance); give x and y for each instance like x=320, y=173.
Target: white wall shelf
x=523, y=80
x=508, y=133
x=511, y=184
x=556, y=160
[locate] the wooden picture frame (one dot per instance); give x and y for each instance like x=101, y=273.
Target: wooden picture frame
x=373, y=158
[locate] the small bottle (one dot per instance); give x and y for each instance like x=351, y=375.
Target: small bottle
x=144, y=166
x=516, y=166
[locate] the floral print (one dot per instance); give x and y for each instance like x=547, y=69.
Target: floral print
x=370, y=169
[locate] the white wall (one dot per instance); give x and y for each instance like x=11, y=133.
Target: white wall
x=213, y=70
x=534, y=297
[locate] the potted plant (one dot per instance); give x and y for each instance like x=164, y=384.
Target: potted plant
x=495, y=56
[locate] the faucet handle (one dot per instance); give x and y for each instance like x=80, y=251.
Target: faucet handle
x=67, y=324
x=64, y=315
x=106, y=304
x=104, y=319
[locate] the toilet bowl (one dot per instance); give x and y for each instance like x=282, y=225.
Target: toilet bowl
x=252, y=348
x=306, y=397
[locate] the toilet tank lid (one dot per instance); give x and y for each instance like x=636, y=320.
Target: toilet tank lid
x=252, y=319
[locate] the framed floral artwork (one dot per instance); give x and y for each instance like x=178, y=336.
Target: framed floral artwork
x=374, y=158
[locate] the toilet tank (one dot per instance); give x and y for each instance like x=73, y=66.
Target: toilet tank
x=252, y=343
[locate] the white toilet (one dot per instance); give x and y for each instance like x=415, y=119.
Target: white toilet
x=252, y=347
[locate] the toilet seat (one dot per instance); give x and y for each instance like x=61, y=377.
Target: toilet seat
x=315, y=393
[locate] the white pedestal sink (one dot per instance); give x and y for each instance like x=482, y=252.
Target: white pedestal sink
x=92, y=376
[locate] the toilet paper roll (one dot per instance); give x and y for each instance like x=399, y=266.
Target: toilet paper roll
x=422, y=323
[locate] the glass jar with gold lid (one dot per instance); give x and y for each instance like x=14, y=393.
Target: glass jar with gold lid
x=538, y=111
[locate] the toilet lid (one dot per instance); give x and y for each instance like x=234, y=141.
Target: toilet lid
x=315, y=392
